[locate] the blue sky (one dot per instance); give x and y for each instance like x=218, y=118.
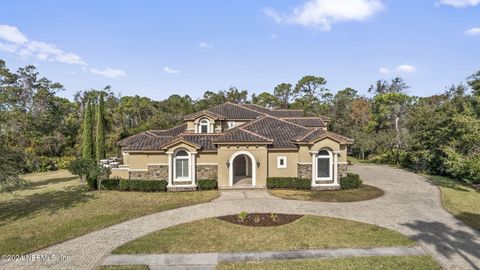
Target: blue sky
x=159, y=48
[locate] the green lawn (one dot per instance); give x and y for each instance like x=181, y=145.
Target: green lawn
x=364, y=192
x=308, y=232
x=461, y=200
x=54, y=208
x=358, y=263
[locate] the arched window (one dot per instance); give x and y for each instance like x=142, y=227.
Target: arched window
x=324, y=165
x=181, y=165
x=204, y=126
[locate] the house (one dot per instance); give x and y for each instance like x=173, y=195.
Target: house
x=240, y=145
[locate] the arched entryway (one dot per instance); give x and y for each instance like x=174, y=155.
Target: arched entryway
x=242, y=171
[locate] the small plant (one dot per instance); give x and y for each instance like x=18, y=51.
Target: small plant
x=256, y=218
x=242, y=216
x=273, y=217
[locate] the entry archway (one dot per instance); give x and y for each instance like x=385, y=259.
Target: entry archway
x=242, y=163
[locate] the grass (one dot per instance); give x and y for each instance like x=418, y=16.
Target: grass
x=54, y=208
x=358, y=263
x=308, y=232
x=364, y=192
x=123, y=267
x=461, y=200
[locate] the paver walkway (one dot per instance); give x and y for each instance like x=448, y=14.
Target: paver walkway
x=210, y=260
x=410, y=205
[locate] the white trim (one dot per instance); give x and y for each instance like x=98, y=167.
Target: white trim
x=330, y=163
x=138, y=170
x=279, y=158
x=207, y=123
x=206, y=163
x=170, y=175
x=254, y=167
x=189, y=160
x=120, y=169
x=304, y=163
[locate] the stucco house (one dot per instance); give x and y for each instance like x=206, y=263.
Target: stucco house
x=240, y=145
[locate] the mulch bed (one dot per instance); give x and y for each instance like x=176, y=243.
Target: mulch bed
x=261, y=219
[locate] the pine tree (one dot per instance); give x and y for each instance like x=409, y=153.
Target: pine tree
x=87, y=143
x=100, y=132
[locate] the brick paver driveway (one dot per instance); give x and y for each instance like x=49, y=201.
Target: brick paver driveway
x=410, y=205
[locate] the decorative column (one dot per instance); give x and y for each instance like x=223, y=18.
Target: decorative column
x=335, y=167
x=193, y=167
x=314, y=167
x=170, y=168
x=212, y=127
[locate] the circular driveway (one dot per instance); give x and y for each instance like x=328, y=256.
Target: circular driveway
x=411, y=205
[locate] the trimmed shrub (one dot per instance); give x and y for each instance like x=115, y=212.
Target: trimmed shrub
x=123, y=184
x=205, y=184
x=147, y=185
x=288, y=183
x=110, y=184
x=352, y=180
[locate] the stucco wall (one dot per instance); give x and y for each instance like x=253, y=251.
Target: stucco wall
x=290, y=171
x=259, y=153
x=140, y=160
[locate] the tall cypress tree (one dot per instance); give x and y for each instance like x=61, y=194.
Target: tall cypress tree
x=100, y=133
x=87, y=143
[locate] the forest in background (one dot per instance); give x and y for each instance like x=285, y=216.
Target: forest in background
x=439, y=134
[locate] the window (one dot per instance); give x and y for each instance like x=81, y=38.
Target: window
x=181, y=164
x=204, y=126
x=230, y=124
x=324, y=165
x=282, y=162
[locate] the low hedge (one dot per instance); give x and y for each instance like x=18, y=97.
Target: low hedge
x=288, y=183
x=134, y=185
x=352, y=180
x=92, y=183
x=205, y=184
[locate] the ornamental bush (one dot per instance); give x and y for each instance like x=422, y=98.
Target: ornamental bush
x=134, y=185
x=205, y=184
x=352, y=180
x=110, y=184
x=288, y=183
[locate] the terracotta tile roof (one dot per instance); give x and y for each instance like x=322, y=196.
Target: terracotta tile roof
x=307, y=121
x=281, y=130
x=319, y=133
x=277, y=128
x=170, y=132
x=211, y=114
x=241, y=135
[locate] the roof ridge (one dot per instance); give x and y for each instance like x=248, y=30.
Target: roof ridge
x=256, y=134
x=251, y=122
x=241, y=106
x=150, y=130
x=306, y=135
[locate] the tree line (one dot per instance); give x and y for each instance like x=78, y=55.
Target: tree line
x=39, y=130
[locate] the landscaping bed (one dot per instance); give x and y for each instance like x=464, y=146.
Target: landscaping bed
x=261, y=219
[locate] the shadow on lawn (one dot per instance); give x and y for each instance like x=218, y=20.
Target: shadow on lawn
x=446, y=182
x=446, y=240
x=51, y=201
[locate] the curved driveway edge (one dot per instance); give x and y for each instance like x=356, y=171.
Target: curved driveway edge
x=411, y=205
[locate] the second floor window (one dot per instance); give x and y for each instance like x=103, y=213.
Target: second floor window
x=204, y=126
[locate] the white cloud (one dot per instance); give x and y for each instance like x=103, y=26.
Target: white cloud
x=406, y=68
x=323, y=13
x=12, y=34
x=459, y=3
x=15, y=42
x=205, y=45
x=384, y=71
x=473, y=31
x=49, y=52
x=109, y=73
x=170, y=70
